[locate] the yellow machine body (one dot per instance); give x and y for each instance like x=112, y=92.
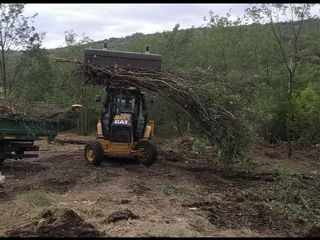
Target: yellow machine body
x=123, y=150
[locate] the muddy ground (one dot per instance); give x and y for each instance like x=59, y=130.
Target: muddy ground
x=184, y=193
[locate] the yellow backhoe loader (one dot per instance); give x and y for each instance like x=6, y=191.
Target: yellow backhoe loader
x=123, y=129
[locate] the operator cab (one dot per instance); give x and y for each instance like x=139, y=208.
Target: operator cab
x=124, y=117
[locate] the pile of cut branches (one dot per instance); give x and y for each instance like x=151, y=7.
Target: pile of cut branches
x=221, y=127
x=36, y=112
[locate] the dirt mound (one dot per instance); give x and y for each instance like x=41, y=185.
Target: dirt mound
x=178, y=145
x=59, y=185
x=56, y=223
x=121, y=215
x=173, y=157
x=237, y=215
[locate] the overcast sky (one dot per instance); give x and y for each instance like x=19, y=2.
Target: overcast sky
x=102, y=21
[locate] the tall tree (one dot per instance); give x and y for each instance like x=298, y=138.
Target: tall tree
x=16, y=34
x=75, y=50
x=288, y=42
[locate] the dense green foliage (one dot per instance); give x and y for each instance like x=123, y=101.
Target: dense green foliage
x=233, y=65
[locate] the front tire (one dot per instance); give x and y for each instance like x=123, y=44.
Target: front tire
x=93, y=153
x=148, y=153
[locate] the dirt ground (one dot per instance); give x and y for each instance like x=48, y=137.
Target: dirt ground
x=183, y=194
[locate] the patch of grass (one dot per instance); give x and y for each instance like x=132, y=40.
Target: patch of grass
x=291, y=195
x=36, y=198
x=173, y=190
x=292, y=210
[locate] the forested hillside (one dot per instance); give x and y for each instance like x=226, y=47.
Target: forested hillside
x=236, y=66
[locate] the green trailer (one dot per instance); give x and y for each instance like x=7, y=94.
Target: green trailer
x=17, y=136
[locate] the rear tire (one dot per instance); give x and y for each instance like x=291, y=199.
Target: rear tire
x=150, y=153
x=93, y=153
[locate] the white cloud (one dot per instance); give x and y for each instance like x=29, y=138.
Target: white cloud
x=101, y=21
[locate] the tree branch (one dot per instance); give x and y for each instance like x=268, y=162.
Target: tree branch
x=284, y=56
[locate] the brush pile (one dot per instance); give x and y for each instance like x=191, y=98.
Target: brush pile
x=221, y=127
x=36, y=112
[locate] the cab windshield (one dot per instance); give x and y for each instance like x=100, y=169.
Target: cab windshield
x=125, y=104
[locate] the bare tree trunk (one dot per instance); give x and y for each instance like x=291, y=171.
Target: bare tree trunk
x=290, y=113
x=78, y=124
x=4, y=74
x=84, y=113
x=81, y=120
x=267, y=133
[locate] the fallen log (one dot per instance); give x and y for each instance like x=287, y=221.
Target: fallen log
x=69, y=141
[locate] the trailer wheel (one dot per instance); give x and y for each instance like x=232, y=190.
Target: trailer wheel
x=93, y=153
x=148, y=152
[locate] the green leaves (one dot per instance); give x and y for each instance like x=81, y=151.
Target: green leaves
x=16, y=34
x=307, y=113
